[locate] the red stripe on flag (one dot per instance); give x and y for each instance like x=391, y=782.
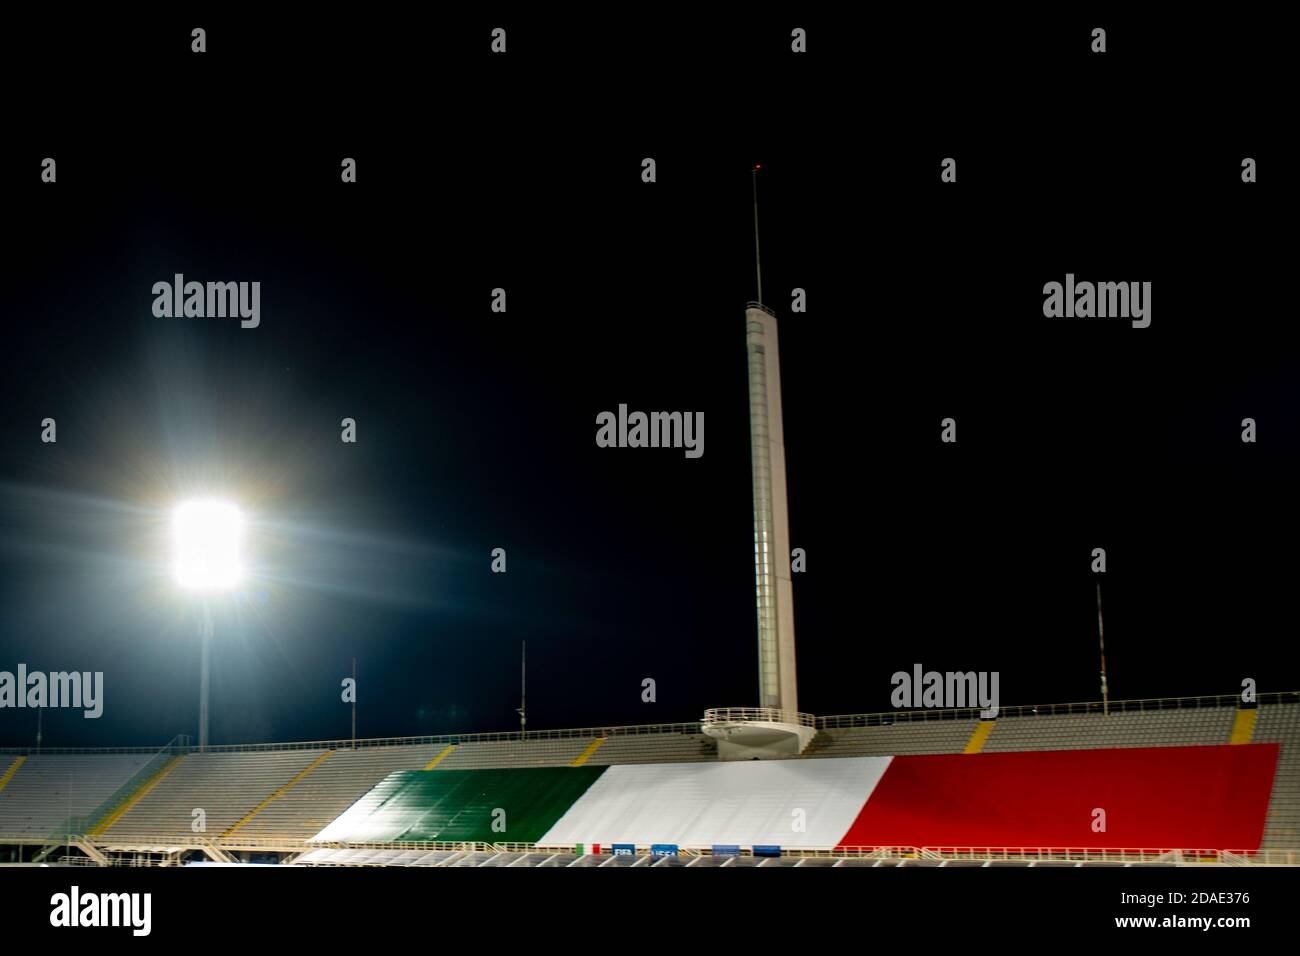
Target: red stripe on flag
x=1158, y=798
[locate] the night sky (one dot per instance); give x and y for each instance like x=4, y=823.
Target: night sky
x=476, y=430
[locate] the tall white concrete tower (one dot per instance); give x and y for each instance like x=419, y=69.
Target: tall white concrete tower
x=773, y=587
x=774, y=728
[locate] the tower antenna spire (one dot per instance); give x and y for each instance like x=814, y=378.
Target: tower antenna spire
x=758, y=262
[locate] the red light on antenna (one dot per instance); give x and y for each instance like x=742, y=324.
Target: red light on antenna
x=758, y=165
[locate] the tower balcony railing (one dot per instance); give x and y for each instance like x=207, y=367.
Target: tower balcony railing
x=768, y=715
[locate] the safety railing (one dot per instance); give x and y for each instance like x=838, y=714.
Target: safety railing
x=106, y=751
x=1147, y=705
x=504, y=736
x=770, y=715
x=835, y=721
x=444, y=739
x=145, y=854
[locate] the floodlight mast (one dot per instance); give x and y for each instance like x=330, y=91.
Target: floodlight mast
x=204, y=676
x=207, y=535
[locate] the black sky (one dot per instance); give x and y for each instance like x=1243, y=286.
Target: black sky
x=477, y=429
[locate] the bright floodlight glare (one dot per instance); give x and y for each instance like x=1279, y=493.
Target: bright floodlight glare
x=206, y=537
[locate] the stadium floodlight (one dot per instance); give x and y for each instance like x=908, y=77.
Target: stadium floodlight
x=207, y=535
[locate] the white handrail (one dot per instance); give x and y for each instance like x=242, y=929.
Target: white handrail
x=771, y=715
x=834, y=721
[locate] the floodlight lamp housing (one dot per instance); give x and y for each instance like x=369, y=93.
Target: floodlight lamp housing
x=207, y=539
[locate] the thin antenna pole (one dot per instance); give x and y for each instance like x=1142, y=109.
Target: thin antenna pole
x=521, y=710
x=1101, y=642
x=758, y=262
x=354, y=703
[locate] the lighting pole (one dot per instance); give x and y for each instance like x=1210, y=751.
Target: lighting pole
x=207, y=536
x=205, y=677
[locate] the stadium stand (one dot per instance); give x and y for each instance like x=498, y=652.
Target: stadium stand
x=1168, y=728
x=1280, y=724
x=1188, y=797
x=46, y=791
x=488, y=754
x=463, y=806
x=920, y=737
x=225, y=786
x=341, y=780
x=274, y=798
x=654, y=748
x=780, y=802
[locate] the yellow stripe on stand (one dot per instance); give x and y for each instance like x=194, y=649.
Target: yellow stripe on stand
x=279, y=793
x=586, y=754
x=13, y=769
x=438, y=759
x=135, y=798
x=1243, y=727
x=977, y=739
